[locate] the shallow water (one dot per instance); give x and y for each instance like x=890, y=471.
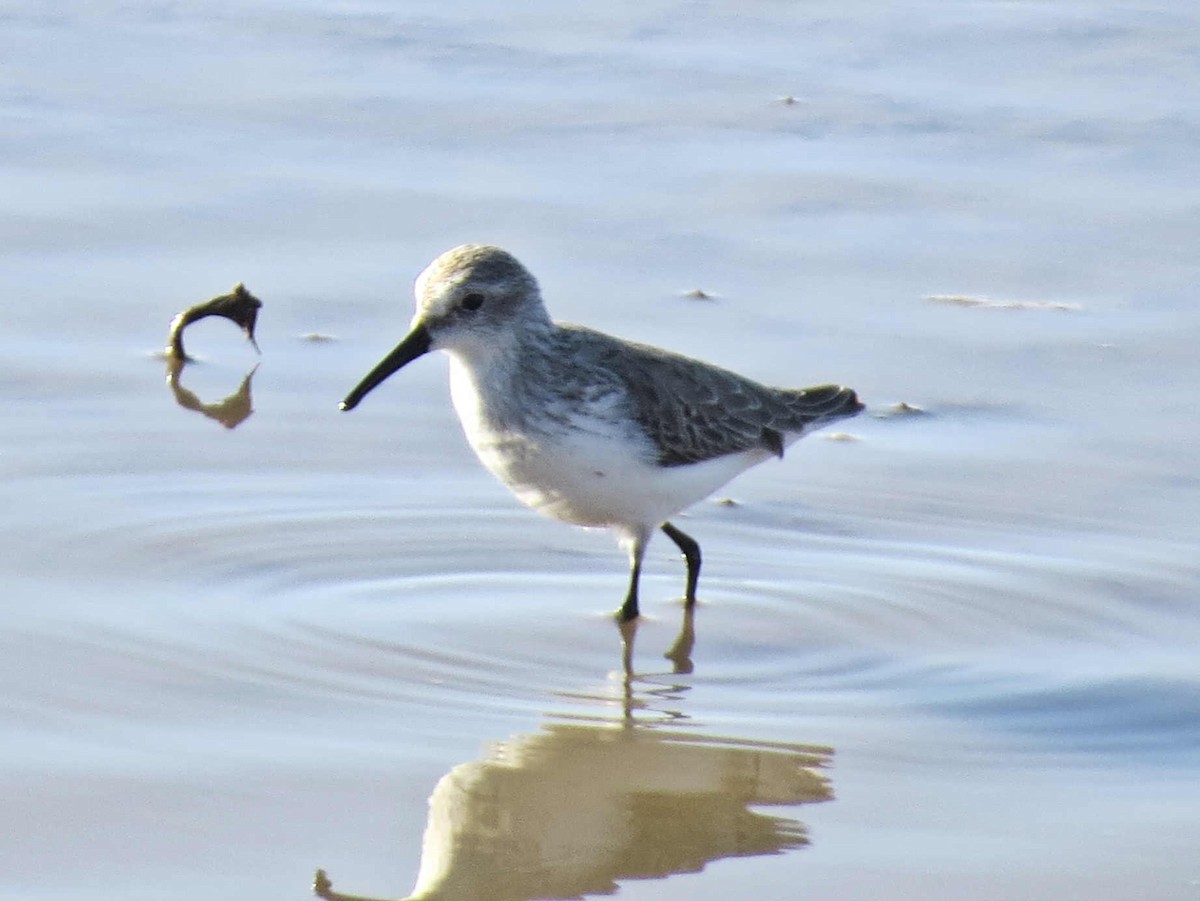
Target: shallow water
x=954, y=656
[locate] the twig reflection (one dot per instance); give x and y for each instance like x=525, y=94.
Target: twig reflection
x=230, y=412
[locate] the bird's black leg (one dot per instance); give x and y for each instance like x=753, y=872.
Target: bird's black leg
x=629, y=610
x=637, y=550
x=691, y=553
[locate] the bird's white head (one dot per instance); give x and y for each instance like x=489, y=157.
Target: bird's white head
x=473, y=300
x=474, y=297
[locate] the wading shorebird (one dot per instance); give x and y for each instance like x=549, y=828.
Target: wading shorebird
x=587, y=428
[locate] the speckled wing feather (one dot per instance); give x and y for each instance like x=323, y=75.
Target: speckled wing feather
x=692, y=411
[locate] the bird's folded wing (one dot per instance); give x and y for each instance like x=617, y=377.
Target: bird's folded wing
x=693, y=412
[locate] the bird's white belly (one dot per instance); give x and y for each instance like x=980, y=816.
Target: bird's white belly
x=599, y=483
x=589, y=475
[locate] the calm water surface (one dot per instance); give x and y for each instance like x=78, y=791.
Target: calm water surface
x=953, y=655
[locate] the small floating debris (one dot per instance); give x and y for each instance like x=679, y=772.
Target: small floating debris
x=901, y=409
x=965, y=300
x=239, y=307
x=322, y=887
x=788, y=100
x=840, y=436
x=698, y=294
x=726, y=502
x=321, y=884
x=317, y=338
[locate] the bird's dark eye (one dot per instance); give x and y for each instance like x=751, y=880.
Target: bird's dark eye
x=472, y=302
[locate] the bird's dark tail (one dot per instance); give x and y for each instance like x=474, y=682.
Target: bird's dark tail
x=812, y=408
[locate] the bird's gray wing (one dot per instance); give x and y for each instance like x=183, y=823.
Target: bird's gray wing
x=691, y=411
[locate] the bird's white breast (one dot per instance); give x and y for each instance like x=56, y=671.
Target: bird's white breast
x=584, y=468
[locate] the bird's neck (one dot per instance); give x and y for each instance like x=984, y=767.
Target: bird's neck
x=500, y=355
x=488, y=381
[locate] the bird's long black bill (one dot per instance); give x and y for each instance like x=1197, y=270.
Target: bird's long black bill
x=413, y=346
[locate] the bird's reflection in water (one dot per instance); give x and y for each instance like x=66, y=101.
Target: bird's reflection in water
x=617, y=793
x=679, y=653
x=230, y=412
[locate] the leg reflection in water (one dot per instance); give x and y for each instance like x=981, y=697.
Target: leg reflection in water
x=679, y=653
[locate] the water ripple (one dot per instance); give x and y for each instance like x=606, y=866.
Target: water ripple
x=454, y=603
